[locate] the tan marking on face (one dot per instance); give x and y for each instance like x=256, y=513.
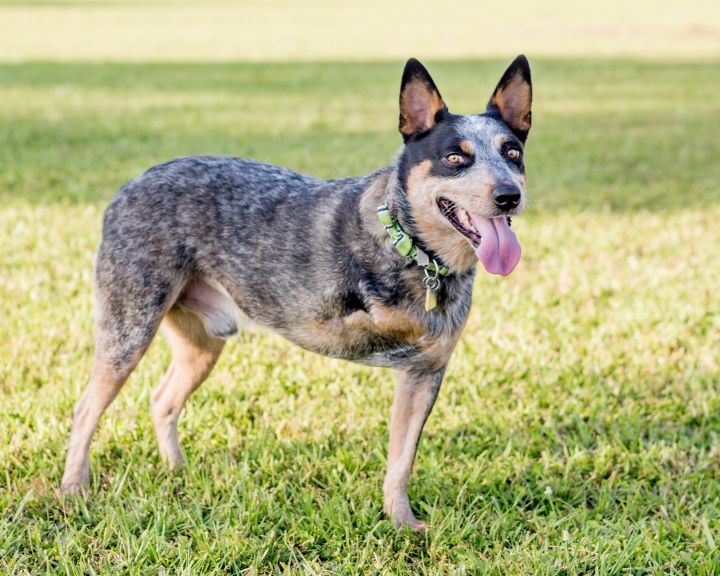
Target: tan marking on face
x=418, y=107
x=449, y=245
x=514, y=101
x=414, y=398
x=472, y=192
x=467, y=147
x=419, y=173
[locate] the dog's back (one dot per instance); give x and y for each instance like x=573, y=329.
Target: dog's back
x=377, y=270
x=232, y=239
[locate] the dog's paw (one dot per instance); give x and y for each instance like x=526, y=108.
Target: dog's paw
x=399, y=512
x=412, y=523
x=72, y=488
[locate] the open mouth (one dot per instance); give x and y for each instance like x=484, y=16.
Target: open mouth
x=460, y=219
x=494, y=243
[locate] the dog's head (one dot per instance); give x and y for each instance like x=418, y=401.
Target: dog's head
x=461, y=176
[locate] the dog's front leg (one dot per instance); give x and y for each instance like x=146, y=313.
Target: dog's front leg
x=415, y=395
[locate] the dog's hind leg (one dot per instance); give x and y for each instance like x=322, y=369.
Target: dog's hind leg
x=415, y=396
x=194, y=355
x=129, y=310
x=106, y=380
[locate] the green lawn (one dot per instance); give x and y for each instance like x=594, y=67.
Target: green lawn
x=577, y=430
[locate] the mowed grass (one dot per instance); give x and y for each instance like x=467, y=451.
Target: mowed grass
x=607, y=134
x=576, y=431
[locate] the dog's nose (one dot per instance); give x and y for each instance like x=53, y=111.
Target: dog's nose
x=506, y=197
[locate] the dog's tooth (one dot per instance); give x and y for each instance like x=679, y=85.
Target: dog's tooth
x=468, y=220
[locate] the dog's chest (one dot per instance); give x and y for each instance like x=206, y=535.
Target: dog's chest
x=379, y=336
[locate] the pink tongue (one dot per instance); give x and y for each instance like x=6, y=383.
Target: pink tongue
x=499, y=250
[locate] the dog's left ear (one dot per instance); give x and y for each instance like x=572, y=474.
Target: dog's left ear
x=420, y=100
x=512, y=100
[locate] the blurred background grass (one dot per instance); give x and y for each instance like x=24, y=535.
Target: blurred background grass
x=577, y=429
x=607, y=133
x=333, y=30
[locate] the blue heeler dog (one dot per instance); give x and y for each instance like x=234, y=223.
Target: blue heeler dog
x=376, y=269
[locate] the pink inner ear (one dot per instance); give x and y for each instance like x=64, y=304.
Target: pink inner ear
x=418, y=110
x=418, y=107
x=514, y=102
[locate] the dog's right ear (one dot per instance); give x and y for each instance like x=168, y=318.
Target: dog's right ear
x=420, y=101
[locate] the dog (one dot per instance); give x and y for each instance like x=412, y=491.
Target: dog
x=376, y=269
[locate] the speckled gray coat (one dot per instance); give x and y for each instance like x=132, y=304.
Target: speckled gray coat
x=207, y=244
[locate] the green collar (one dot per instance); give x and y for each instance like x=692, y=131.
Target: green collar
x=405, y=245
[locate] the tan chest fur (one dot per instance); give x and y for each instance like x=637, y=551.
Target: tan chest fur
x=381, y=327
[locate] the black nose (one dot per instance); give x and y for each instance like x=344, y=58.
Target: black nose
x=506, y=197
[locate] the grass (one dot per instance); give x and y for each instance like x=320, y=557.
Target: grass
x=608, y=134
x=577, y=430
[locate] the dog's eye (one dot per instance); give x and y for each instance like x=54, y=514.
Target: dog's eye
x=455, y=159
x=513, y=153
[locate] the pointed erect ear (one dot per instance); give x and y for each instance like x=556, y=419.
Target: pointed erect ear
x=420, y=100
x=512, y=100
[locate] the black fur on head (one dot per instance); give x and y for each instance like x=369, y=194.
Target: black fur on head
x=462, y=159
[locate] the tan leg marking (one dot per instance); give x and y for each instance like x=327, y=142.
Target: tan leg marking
x=397, y=322
x=111, y=368
x=105, y=383
x=414, y=398
x=194, y=355
x=332, y=336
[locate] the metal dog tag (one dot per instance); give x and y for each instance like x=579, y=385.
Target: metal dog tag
x=430, y=299
x=431, y=283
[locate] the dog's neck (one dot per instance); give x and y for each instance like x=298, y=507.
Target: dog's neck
x=396, y=200
x=383, y=189
x=386, y=189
